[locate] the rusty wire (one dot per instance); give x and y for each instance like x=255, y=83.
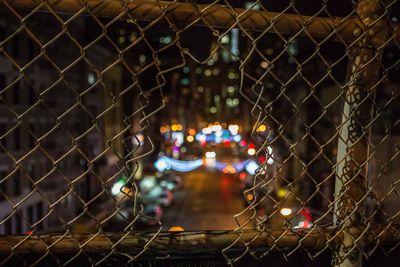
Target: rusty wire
x=334, y=133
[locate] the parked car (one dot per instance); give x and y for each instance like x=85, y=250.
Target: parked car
x=297, y=217
x=152, y=214
x=157, y=195
x=172, y=182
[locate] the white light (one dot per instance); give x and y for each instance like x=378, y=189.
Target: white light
x=218, y=133
x=216, y=128
x=270, y=156
x=233, y=128
x=251, y=151
x=207, y=130
x=117, y=187
x=210, y=154
x=286, y=211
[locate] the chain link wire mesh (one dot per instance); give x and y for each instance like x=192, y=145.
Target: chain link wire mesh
x=83, y=84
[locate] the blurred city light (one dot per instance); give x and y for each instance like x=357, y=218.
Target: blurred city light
x=262, y=128
x=210, y=154
x=250, y=197
x=286, y=211
x=229, y=169
x=251, y=151
x=117, y=187
x=165, y=163
x=192, y=131
x=251, y=167
x=281, y=193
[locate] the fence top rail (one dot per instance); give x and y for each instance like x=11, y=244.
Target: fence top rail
x=219, y=16
x=190, y=241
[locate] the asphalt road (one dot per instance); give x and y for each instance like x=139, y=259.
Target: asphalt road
x=208, y=201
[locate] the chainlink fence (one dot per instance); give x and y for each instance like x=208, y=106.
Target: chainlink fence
x=84, y=85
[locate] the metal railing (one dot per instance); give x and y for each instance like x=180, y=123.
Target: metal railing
x=82, y=87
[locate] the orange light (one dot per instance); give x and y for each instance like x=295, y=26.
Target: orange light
x=229, y=169
x=192, y=131
x=176, y=229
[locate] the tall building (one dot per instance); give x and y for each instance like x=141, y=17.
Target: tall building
x=47, y=136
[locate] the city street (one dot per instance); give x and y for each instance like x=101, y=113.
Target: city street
x=208, y=201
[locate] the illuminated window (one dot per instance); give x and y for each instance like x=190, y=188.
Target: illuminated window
x=142, y=59
x=91, y=78
x=213, y=110
x=225, y=39
x=215, y=72
x=165, y=39
x=235, y=43
x=208, y=72
x=185, y=81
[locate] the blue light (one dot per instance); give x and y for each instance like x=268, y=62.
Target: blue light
x=252, y=167
x=166, y=163
x=198, y=137
x=237, y=138
x=162, y=165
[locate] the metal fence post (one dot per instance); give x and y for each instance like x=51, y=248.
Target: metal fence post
x=352, y=156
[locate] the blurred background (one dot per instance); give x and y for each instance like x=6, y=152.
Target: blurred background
x=150, y=123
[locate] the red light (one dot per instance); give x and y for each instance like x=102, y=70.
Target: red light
x=242, y=143
x=262, y=159
x=251, y=145
x=242, y=176
x=306, y=212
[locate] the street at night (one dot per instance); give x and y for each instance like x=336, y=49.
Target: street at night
x=208, y=202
